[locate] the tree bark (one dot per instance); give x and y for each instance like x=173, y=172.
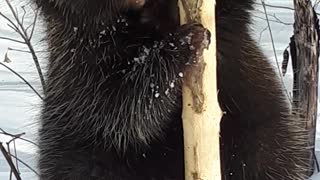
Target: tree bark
x=304, y=49
x=201, y=112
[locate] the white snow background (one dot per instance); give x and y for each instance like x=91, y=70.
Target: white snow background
x=19, y=106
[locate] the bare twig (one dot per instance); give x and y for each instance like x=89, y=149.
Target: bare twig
x=33, y=24
x=7, y=156
x=274, y=6
x=25, y=164
x=14, y=40
x=9, y=20
x=15, y=156
x=18, y=50
x=24, y=51
x=11, y=172
x=18, y=136
x=23, y=79
x=276, y=20
x=274, y=51
x=23, y=32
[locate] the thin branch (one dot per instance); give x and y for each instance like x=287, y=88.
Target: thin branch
x=263, y=30
x=24, y=14
x=23, y=79
x=9, y=20
x=16, y=154
x=24, y=51
x=17, y=30
x=280, y=7
x=11, y=172
x=25, y=164
x=24, y=34
x=34, y=24
x=9, y=39
x=9, y=160
x=14, y=13
x=16, y=135
x=274, y=51
x=274, y=6
x=18, y=50
x=275, y=21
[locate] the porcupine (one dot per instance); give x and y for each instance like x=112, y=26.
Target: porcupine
x=112, y=109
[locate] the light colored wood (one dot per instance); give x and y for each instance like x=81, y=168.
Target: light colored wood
x=201, y=112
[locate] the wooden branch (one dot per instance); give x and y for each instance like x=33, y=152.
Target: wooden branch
x=201, y=112
x=304, y=48
x=22, y=31
x=9, y=160
x=23, y=79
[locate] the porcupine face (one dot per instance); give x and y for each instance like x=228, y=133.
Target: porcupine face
x=102, y=46
x=111, y=87
x=160, y=14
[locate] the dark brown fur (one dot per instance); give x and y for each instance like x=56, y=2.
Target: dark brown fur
x=259, y=138
x=113, y=103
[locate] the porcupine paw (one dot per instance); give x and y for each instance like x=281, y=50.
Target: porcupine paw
x=196, y=37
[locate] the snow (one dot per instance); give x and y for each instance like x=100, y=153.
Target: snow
x=316, y=177
x=19, y=106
